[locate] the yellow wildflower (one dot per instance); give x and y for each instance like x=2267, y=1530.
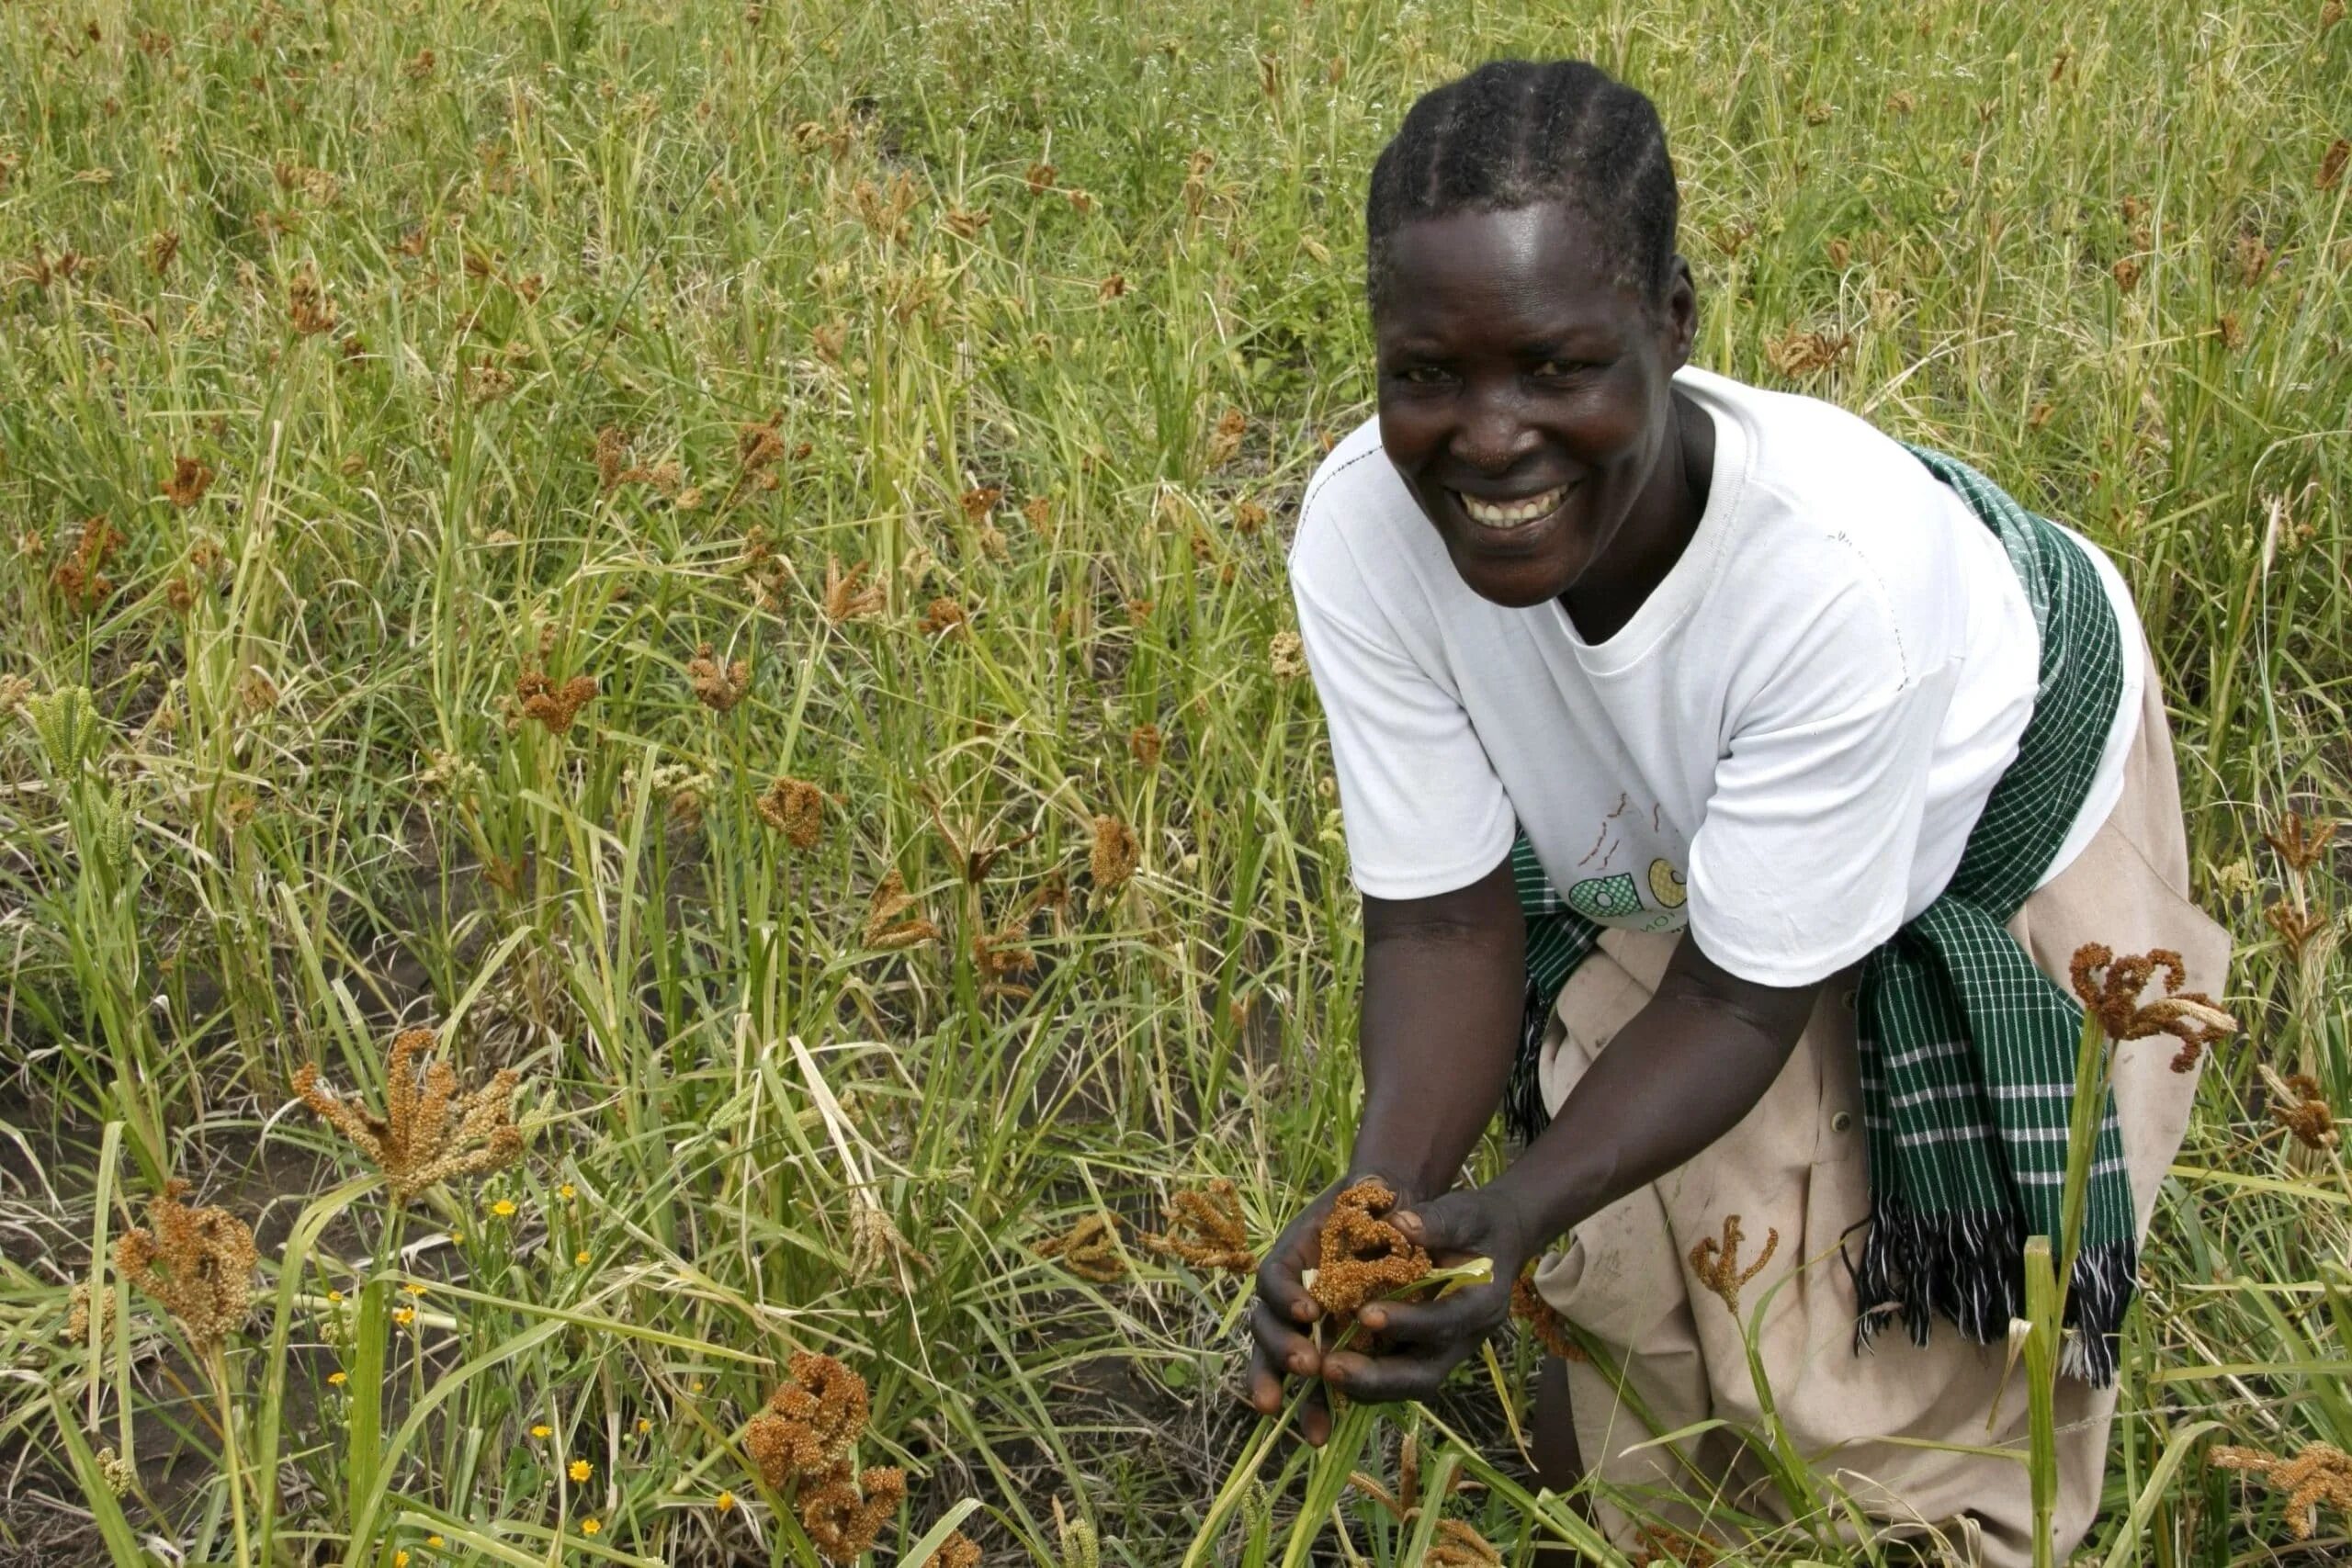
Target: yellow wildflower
x=503, y=1208
x=580, y=1258
x=723, y=1502
x=581, y=1470
x=338, y=1378
x=589, y=1527
x=566, y=1192
x=543, y=1431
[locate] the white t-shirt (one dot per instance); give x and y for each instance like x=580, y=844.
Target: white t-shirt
x=1785, y=747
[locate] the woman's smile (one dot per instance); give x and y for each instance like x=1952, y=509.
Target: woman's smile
x=1509, y=516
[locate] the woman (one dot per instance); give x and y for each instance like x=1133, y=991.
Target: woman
x=1820, y=759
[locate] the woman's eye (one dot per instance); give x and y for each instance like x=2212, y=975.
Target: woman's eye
x=1421, y=374
x=1560, y=369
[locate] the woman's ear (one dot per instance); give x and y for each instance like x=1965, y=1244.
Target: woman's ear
x=1681, y=325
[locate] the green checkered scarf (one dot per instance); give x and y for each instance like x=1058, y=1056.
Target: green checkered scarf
x=1967, y=1048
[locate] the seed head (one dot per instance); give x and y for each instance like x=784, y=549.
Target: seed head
x=1363, y=1256
x=198, y=1262
x=845, y=599
x=1115, y=855
x=958, y=1551
x=2302, y=1110
x=2299, y=844
x=2331, y=163
x=1287, y=655
x=1090, y=1249
x=1227, y=441
x=1543, y=1320
x=1799, y=353
x=717, y=688
x=1716, y=1263
x=888, y=924
x=839, y=1523
x=2111, y=986
x=429, y=1133
x=1144, y=744
x=1040, y=178
x=944, y=614
x=810, y=1424
x=82, y=577
x=1206, y=1228
x=555, y=706
x=796, y=809
x=306, y=305
x=2320, y=1473
x=189, y=482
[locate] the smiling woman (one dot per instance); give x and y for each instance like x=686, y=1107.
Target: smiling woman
x=1735, y=783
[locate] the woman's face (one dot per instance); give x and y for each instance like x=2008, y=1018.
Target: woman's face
x=1525, y=398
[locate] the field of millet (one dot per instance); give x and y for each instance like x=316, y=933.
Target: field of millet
x=714, y=572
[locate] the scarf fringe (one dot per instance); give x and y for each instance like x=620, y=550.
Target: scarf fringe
x=1970, y=1267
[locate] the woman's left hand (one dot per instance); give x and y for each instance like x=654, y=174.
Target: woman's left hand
x=1420, y=1342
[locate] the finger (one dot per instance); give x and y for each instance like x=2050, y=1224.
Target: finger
x=1443, y=1224
x=1315, y=1417
x=1264, y=1385
x=1287, y=1351
x=1465, y=1315
x=1279, y=1284
x=1418, y=1373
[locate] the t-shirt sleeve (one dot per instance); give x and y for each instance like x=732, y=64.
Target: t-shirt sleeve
x=1802, y=861
x=1423, y=811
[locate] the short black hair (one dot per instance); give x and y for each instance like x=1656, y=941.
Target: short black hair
x=1516, y=133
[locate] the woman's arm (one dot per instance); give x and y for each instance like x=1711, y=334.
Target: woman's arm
x=1683, y=1072
x=1443, y=984
x=1444, y=979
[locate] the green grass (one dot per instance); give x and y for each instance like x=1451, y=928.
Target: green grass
x=2087, y=248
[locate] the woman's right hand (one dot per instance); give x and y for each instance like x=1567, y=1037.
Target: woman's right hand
x=1283, y=1311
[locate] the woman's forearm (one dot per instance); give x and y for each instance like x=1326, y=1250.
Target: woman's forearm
x=1682, y=1073
x=1444, y=979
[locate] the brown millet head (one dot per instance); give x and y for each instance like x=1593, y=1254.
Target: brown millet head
x=198, y=1262
x=1363, y=1256
x=2320, y=1473
x=958, y=1551
x=796, y=809
x=1543, y=1320
x=1716, y=1263
x=2306, y=1112
x=1115, y=855
x=1207, y=1229
x=846, y=595
x=810, y=1424
x=189, y=482
x=1145, y=744
x=555, y=706
x=430, y=1134
x=944, y=614
x=2111, y=986
x=840, y=1524
x=716, y=686
x=888, y=924
x=1090, y=1250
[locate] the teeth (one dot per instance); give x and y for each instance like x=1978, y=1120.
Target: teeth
x=1487, y=514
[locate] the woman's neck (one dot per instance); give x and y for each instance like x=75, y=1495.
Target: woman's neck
x=1664, y=516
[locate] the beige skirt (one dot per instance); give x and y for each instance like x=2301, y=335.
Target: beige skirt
x=1795, y=1165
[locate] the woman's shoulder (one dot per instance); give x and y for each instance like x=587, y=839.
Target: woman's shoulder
x=1356, y=517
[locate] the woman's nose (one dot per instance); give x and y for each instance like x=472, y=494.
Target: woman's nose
x=1493, y=435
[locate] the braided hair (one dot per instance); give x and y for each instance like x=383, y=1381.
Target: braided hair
x=1516, y=133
